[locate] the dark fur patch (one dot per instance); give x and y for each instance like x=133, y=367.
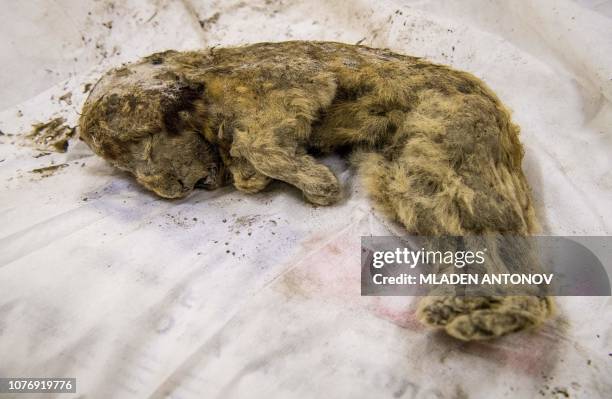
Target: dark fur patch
x=466, y=87
x=351, y=93
x=182, y=101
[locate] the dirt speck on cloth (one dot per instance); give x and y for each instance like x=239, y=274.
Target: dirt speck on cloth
x=48, y=170
x=53, y=135
x=67, y=98
x=206, y=23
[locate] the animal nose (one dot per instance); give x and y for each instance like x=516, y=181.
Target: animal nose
x=205, y=183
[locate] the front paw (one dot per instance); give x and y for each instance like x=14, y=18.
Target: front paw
x=251, y=184
x=324, y=194
x=246, y=178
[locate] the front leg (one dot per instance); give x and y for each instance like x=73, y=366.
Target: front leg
x=319, y=185
x=246, y=178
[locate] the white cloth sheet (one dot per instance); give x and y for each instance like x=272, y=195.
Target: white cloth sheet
x=228, y=295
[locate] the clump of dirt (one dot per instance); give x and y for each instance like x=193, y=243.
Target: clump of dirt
x=206, y=23
x=180, y=220
x=246, y=221
x=67, y=98
x=48, y=170
x=52, y=135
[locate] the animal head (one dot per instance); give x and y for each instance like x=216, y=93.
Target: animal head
x=151, y=127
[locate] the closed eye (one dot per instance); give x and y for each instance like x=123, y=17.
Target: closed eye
x=143, y=148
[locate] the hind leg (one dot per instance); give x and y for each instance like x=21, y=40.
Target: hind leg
x=430, y=205
x=459, y=176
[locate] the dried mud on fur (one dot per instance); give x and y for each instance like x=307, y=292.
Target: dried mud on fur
x=51, y=136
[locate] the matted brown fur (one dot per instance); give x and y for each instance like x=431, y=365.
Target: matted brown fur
x=435, y=147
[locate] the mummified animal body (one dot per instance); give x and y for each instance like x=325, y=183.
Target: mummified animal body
x=435, y=147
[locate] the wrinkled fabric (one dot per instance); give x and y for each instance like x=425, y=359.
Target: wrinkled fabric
x=229, y=295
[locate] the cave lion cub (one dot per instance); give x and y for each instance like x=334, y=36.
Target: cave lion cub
x=434, y=147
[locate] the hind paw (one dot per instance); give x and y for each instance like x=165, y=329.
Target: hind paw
x=478, y=318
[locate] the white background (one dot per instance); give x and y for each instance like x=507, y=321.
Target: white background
x=228, y=295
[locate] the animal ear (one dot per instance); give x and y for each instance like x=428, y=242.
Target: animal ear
x=125, y=116
x=115, y=119
x=178, y=105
